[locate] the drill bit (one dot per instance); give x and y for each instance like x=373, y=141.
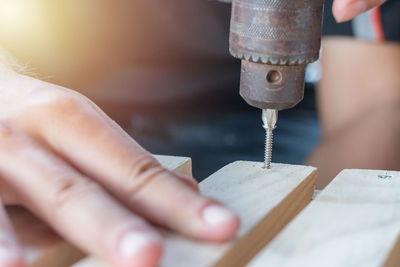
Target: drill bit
x=269, y=118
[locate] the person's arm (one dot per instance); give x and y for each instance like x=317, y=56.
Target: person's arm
x=67, y=162
x=359, y=107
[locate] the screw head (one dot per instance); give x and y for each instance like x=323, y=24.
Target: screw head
x=385, y=176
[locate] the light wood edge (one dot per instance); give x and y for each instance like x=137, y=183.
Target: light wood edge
x=394, y=257
x=269, y=227
x=185, y=164
x=64, y=254
x=185, y=169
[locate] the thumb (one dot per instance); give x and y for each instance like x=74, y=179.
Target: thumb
x=344, y=10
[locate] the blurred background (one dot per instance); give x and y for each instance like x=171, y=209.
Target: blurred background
x=159, y=68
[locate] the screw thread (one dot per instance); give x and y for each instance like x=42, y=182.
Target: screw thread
x=269, y=136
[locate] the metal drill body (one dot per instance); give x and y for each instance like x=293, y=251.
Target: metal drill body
x=275, y=39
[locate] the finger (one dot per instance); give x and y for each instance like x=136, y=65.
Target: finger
x=101, y=149
x=166, y=201
x=75, y=207
x=344, y=10
x=76, y=114
x=187, y=180
x=10, y=253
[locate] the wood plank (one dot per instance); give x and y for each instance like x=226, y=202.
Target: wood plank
x=355, y=221
x=44, y=248
x=180, y=165
x=265, y=200
x=62, y=254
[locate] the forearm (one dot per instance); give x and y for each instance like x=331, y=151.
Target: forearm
x=370, y=141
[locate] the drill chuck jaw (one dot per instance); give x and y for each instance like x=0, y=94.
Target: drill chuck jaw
x=275, y=39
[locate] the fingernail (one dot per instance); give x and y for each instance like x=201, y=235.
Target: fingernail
x=133, y=243
x=217, y=215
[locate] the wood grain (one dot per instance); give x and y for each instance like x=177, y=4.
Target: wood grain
x=355, y=221
x=44, y=248
x=265, y=200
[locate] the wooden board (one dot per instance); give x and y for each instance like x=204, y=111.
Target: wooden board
x=265, y=200
x=355, y=221
x=44, y=248
x=180, y=165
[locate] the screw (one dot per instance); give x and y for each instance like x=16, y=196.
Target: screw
x=269, y=137
x=269, y=118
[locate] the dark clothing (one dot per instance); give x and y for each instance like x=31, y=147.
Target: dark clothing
x=391, y=20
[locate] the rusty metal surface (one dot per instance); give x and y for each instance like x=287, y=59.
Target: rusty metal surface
x=281, y=94
x=276, y=31
x=280, y=37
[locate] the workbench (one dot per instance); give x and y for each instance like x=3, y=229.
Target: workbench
x=354, y=221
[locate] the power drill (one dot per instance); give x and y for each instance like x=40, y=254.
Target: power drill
x=275, y=39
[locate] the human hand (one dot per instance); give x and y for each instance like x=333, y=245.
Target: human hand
x=67, y=162
x=344, y=10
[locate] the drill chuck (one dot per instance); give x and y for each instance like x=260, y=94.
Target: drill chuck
x=275, y=39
